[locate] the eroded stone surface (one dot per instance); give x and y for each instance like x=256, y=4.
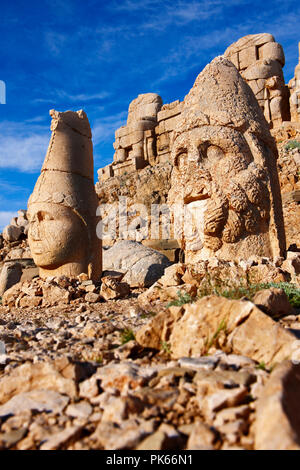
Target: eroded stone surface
x=227, y=179
x=62, y=208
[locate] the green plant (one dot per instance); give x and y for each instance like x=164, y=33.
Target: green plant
x=210, y=342
x=183, y=298
x=127, y=335
x=261, y=365
x=292, y=144
x=147, y=314
x=165, y=346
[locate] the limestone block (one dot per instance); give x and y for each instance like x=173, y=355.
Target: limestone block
x=163, y=141
x=121, y=132
x=277, y=425
x=125, y=141
x=247, y=57
x=276, y=108
x=168, y=113
x=10, y=275
x=62, y=208
x=262, y=69
x=272, y=50
x=138, y=150
x=120, y=155
x=170, y=124
x=136, y=137
x=247, y=41
x=12, y=233
x=145, y=106
x=234, y=58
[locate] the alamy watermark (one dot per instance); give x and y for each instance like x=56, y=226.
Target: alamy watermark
x=2, y=92
x=160, y=221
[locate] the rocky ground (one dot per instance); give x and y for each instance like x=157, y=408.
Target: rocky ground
x=79, y=375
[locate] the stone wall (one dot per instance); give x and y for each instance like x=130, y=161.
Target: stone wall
x=259, y=60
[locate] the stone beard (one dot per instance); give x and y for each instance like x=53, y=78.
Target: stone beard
x=222, y=187
x=225, y=171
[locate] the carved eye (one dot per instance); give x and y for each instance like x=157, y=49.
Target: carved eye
x=41, y=216
x=181, y=160
x=214, y=153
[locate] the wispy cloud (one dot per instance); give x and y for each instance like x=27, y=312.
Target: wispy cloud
x=104, y=128
x=5, y=217
x=22, y=147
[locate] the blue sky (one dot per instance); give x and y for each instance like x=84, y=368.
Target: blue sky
x=99, y=55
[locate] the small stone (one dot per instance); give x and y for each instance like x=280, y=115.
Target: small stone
x=92, y=297
x=202, y=437
x=79, y=410
x=206, y=363
x=39, y=400
x=62, y=439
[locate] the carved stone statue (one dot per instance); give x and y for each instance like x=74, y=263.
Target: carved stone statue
x=62, y=208
x=225, y=170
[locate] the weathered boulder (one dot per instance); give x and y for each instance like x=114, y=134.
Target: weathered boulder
x=12, y=233
x=273, y=301
x=236, y=326
x=277, y=425
x=142, y=265
x=112, y=288
x=38, y=400
x=29, y=377
x=10, y=275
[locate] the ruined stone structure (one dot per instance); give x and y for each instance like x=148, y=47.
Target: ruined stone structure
x=294, y=86
x=224, y=170
x=259, y=60
x=135, y=144
x=62, y=208
x=145, y=140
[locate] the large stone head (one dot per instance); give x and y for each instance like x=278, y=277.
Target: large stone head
x=62, y=207
x=225, y=170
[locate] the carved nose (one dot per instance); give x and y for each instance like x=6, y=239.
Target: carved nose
x=34, y=230
x=194, y=155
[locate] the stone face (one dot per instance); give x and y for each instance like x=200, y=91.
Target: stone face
x=232, y=325
x=10, y=275
x=142, y=265
x=260, y=59
x=277, y=425
x=226, y=180
x=62, y=208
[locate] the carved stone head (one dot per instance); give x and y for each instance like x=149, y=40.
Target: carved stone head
x=225, y=170
x=62, y=208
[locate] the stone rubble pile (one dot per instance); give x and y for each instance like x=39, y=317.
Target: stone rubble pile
x=69, y=383
x=17, y=229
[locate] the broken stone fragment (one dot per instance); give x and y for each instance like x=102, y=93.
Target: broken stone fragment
x=10, y=275
x=277, y=425
x=236, y=326
x=274, y=302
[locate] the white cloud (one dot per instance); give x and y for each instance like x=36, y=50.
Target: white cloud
x=104, y=128
x=5, y=217
x=23, y=147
